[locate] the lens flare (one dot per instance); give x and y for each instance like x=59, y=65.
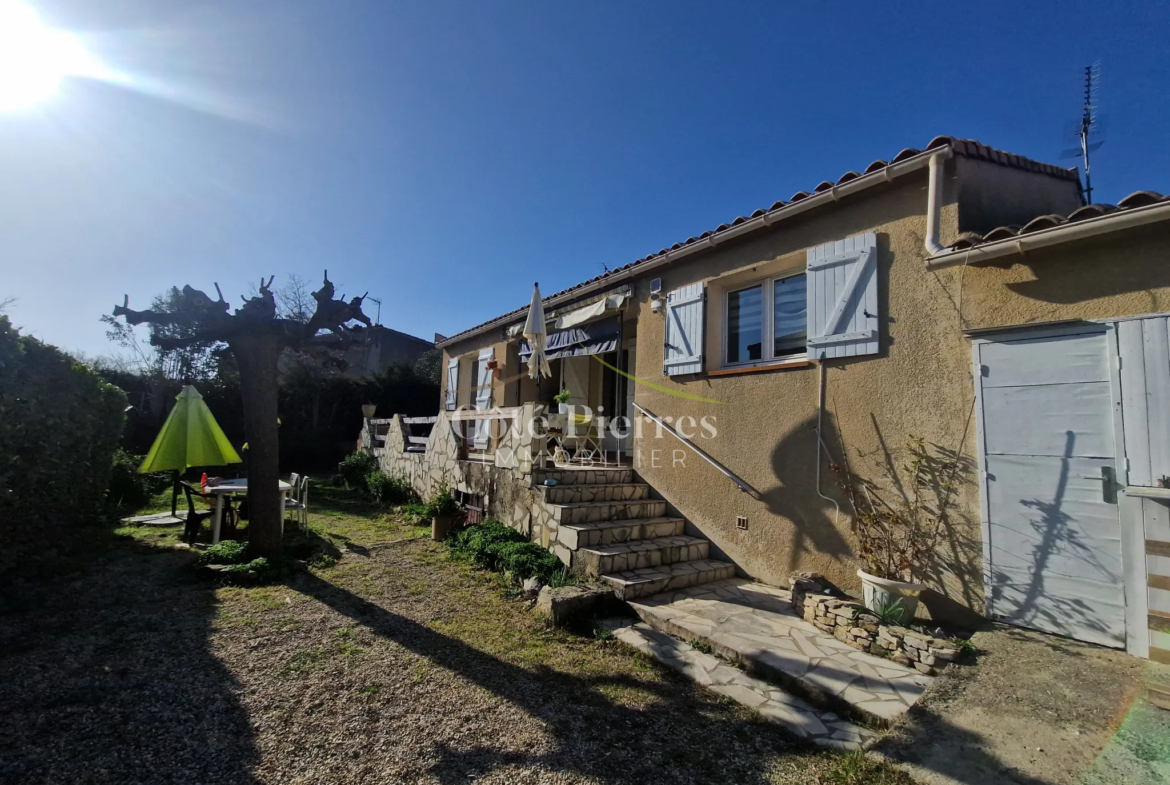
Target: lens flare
x=34, y=58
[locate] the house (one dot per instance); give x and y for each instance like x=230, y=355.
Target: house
x=381, y=347
x=957, y=293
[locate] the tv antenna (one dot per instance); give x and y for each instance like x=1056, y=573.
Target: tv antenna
x=378, y=318
x=1088, y=132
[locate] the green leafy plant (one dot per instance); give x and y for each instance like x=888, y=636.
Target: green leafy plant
x=356, y=467
x=563, y=396
x=128, y=489
x=60, y=425
x=416, y=512
x=225, y=552
x=892, y=612
x=562, y=577
x=387, y=489
x=966, y=648
x=494, y=546
x=443, y=502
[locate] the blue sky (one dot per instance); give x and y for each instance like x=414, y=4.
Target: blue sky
x=445, y=155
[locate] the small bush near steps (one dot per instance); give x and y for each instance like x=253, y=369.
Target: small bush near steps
x=494, y=546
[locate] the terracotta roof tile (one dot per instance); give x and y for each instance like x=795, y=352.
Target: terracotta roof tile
x=968, y=148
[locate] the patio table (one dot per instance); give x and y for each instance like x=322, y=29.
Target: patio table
x=237, y=486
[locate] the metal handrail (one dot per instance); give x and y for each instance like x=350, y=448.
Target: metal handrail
x=735, y=478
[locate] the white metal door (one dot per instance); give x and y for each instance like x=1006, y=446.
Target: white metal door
x=1052, y=537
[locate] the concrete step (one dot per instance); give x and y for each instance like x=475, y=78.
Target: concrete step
x=596, y=492
x=639, y=554
x=631, y=584
x=798, y=717
x=754, y=625
x=596, y=512
x=583, y=476
x=586, y=535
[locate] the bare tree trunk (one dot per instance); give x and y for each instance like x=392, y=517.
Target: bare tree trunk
x=256, y=355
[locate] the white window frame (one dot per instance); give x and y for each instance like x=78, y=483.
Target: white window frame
x=768, y=300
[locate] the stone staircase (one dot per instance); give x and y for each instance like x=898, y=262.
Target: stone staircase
x=736, y=637
x=611, y=529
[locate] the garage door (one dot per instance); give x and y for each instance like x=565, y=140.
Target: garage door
x=1054, y=539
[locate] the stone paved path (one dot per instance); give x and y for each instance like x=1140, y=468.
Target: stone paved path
x=753, y=623
x=822, y=727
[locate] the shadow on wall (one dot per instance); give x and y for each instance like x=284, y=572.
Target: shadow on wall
x=1089, y=276
x=1058, y=549
x=955, y=567
x=818, y=527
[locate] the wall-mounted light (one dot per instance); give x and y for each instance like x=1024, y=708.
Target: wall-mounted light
x=656, y=295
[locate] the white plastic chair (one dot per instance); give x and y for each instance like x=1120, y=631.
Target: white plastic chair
x=298, y=499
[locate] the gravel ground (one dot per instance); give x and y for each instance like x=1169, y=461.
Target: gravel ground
x=1035, y=709
x=396, y=665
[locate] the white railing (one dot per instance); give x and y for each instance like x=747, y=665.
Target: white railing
x=741, y=483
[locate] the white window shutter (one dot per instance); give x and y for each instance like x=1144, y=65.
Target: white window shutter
x=483, y=396
x=452, y=382
x=685, y=316
x=843, y=298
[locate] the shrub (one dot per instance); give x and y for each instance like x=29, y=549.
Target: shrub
x=494, y=546
x=526, y=560
x=130, y=490
x=386, y=489
x=443, y=502
x=59, y=428
x=356, y=467
x=225, y=552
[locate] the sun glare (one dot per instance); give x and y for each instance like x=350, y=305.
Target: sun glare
x=35, y=58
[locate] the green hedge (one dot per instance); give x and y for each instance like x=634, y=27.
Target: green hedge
x=60, y=425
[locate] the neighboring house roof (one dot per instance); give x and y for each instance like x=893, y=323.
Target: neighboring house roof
x=1135, y=200
x=968, y=148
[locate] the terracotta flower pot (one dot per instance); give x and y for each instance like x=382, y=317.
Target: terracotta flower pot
x=442, y=525
x=881, y=593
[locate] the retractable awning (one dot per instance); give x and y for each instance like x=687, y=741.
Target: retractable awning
x=596, y=337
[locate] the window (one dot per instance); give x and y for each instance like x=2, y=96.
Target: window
x=783, y=321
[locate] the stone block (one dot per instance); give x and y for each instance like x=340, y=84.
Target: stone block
x=914, y=642
x=561, y=604
x=902, y=659
x=926, y=658
x=922, y=668
x=945, y=654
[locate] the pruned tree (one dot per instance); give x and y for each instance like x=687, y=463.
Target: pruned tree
x=256, y=336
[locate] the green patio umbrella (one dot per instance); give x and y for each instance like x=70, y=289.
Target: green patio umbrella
x=189, y=437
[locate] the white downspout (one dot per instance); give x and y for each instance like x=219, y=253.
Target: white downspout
x=934, y=198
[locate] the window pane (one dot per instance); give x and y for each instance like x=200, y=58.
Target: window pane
x=745, y=325
x=791, y=316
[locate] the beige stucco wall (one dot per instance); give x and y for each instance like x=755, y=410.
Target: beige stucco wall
x=919, y=385
x=504, y=383
x=991, y=195
x=1108, y=276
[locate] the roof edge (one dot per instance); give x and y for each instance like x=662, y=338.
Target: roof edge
x=1117, y=220
x=788, y=210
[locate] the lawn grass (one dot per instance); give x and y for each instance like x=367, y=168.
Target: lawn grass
x=395, y=663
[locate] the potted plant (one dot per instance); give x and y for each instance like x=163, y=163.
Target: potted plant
x=445, y=513
x=899, y=523
x=562, y=400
